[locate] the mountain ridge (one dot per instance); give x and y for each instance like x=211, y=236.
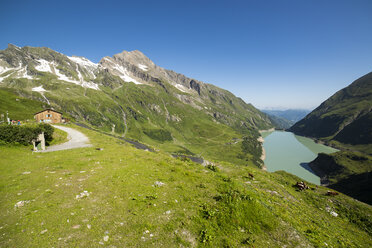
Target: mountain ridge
x=129, y=91
x=344, y=119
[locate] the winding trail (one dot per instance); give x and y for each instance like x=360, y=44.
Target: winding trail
x=76, y=140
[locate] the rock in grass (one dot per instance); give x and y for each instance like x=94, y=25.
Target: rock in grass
x=159, y=184
x=20, y=204
x=334, y=213
x=82, y=195
x=43, y=231
x=106, y=238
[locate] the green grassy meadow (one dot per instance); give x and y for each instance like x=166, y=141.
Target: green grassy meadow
x=124, y=197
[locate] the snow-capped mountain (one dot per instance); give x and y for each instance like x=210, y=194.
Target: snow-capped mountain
x=132, y=66
x=131, y=93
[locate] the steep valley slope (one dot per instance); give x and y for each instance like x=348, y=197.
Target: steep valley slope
x=343, y=120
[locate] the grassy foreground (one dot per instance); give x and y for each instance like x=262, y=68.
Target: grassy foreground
x=123, y=197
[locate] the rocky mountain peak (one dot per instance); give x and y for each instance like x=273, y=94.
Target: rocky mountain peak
x=136, y=58
x=11, y=46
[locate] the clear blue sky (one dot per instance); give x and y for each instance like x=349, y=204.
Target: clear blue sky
x=278, y=53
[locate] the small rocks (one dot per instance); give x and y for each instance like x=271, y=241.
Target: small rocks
x=301, y=186
x=76, y=227
x=334, y=213
x=168, y=212
x=159, y=184
x=147, y=232
x=43, y=231
x=331, y=193
x=106, y=238
x=26, y=173
x=21, y=204
x=82, y=195
x=329, y=210
x=89, y=226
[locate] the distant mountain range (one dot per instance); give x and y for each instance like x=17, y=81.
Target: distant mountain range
x=129, y=92
x=284, y=119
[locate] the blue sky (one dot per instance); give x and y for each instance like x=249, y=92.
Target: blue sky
x=278, y=53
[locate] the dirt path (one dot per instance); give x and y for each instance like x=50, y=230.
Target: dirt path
x=76, y=140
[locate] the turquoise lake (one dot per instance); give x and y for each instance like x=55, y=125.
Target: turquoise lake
x=291, y=153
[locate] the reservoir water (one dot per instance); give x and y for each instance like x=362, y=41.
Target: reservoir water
x=291, y=153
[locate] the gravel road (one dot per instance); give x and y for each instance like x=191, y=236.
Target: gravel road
x=76, y=140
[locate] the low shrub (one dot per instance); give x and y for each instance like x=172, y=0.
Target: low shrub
x=24, y=134
x=160, y=135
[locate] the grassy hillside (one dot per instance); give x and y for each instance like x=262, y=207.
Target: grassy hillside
x=19, y=108
x=280, y=122
x=193, y=133
x=123, y=197
x=345, y=119
x=348, y=172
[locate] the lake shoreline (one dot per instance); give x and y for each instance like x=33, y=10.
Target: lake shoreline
x=286, y=151
x=263, y=155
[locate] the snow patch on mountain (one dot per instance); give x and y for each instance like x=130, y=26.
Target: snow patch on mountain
x=23, y=73
x=181, y=87
x=86, y=64
x=82, y=83
x=4, y=69
x=83, y=61
x=45, y=66
x=119, y=70
x=16, y=69
x=39, y=89
x=2, y=78
x=143, y=67
x=124, y=74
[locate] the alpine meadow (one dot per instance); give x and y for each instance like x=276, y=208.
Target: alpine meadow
x=186, y=124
